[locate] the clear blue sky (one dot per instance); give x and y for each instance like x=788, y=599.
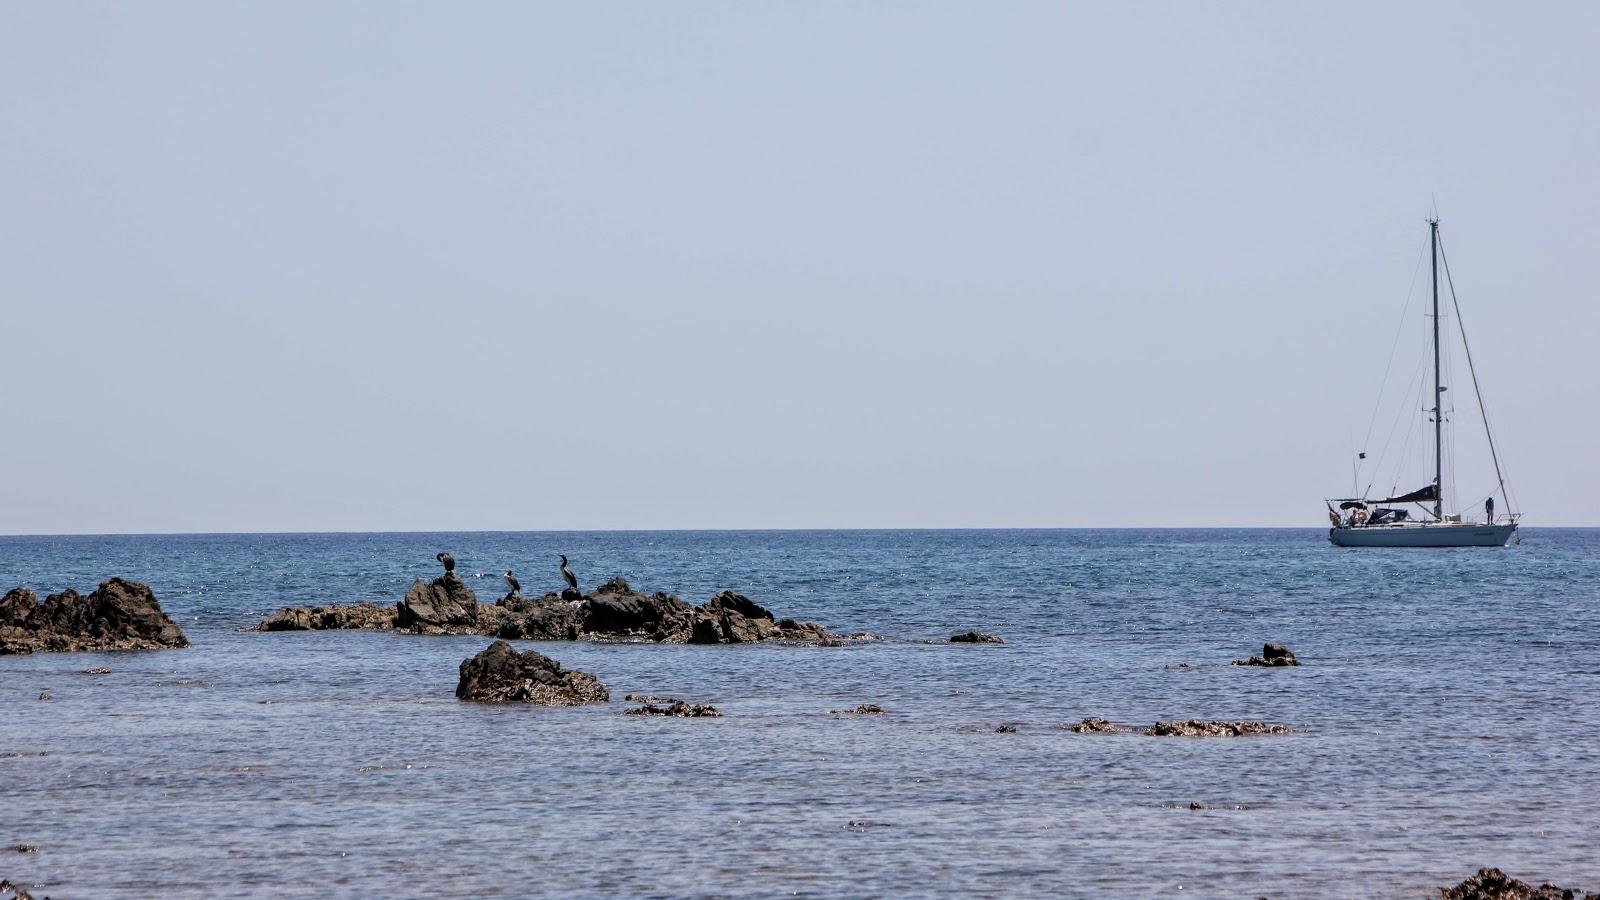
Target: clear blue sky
x=516, y=266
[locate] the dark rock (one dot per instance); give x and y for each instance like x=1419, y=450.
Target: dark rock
x=501, y=675
x=1007, y=728
x=46, y=696
x=669, y=706
x=975, y=637
x=1095, y=726
x=329, y=618
x=1200, y=728
x=614, y=612
x=865, y=709
x=616, y=609
x=444, y=606
x=547, y=619
x=1271, y=655
x=24, y=848
x=98, y=670
x=1493, y=884
x=119, y=615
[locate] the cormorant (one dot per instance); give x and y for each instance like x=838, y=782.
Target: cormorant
x=566, y=572
x=512, y=584
x=448, y=561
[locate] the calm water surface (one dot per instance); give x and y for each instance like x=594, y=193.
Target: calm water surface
x=1446, y=717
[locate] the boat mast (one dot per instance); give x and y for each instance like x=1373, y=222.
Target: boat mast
x=1438, y=390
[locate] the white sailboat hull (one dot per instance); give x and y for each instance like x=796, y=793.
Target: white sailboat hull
x=1449, y=534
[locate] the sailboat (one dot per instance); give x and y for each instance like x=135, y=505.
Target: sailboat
x=1389, y=521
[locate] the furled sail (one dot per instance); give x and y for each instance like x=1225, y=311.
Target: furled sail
x=1421, y=495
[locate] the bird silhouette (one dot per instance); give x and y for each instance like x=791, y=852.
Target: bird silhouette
x=448, y=561
x=512, y=584
x=566, y=572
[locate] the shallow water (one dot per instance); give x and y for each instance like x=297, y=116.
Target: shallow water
x=1446, y=717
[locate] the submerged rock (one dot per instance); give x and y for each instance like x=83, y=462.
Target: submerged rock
x=670, y=706
x=1271, y=655
x=1095, y=726
x=1200, y=728
x=501, y=675
x=118, y=615
x=1493, y=884
x=975, y=637
x=613, y=612
x=865, y=709
x=1006, y=728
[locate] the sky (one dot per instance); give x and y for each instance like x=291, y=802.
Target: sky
x=390, y=266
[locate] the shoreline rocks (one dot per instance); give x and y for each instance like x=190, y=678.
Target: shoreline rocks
x=118, y=615
x=670, y=706
x=1493, y=884
x=615, y=611
x=975, y=637
x=1183, y=728
x=499, y=674
x=1271, y=655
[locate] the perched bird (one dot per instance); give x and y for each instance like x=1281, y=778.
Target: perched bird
x=512, y=584
x=448, y=561
x=566, y=572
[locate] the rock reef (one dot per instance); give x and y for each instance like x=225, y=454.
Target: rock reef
x=1493, y=884
x=1200, y=728
x=500, y=674
x=1184, y=728
x=670, y=706
x=975, y=637
x=613, y=612
x=118, y=615
x=1271, y=655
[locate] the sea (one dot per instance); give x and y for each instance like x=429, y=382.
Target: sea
x=1446, y=716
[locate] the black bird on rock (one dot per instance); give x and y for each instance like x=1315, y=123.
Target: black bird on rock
x=448, y=561
x=566, y=572
x=512, y=584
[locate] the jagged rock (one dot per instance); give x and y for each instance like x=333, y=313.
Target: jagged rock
x=975, y=637
x=444, y=606
x=865, y=709
x=549, y=619
x=669, y=706
x=118, y=615
x=1007, y=728
x=617, y=609
x=328, y=618
x=1271, y=655
x=1200, y=728
x=501, y=675
x=614, y=612
x=1095, y=726
x=1493, y=884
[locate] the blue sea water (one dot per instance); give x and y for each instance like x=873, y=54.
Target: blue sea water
x=1445, y=718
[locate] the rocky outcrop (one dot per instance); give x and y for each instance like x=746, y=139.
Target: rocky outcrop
x=975, y=637
x=1199, y=728
x=119, y=615
x=1493, y=884
x=502, y=675
x=444, y=606
x=613, y=612
x=669, y=706
x=328, y=618
x=1271, y=655
x=1095, y=726
x=865, y=709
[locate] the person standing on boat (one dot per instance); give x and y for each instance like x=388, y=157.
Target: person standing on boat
x=1488, y=509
